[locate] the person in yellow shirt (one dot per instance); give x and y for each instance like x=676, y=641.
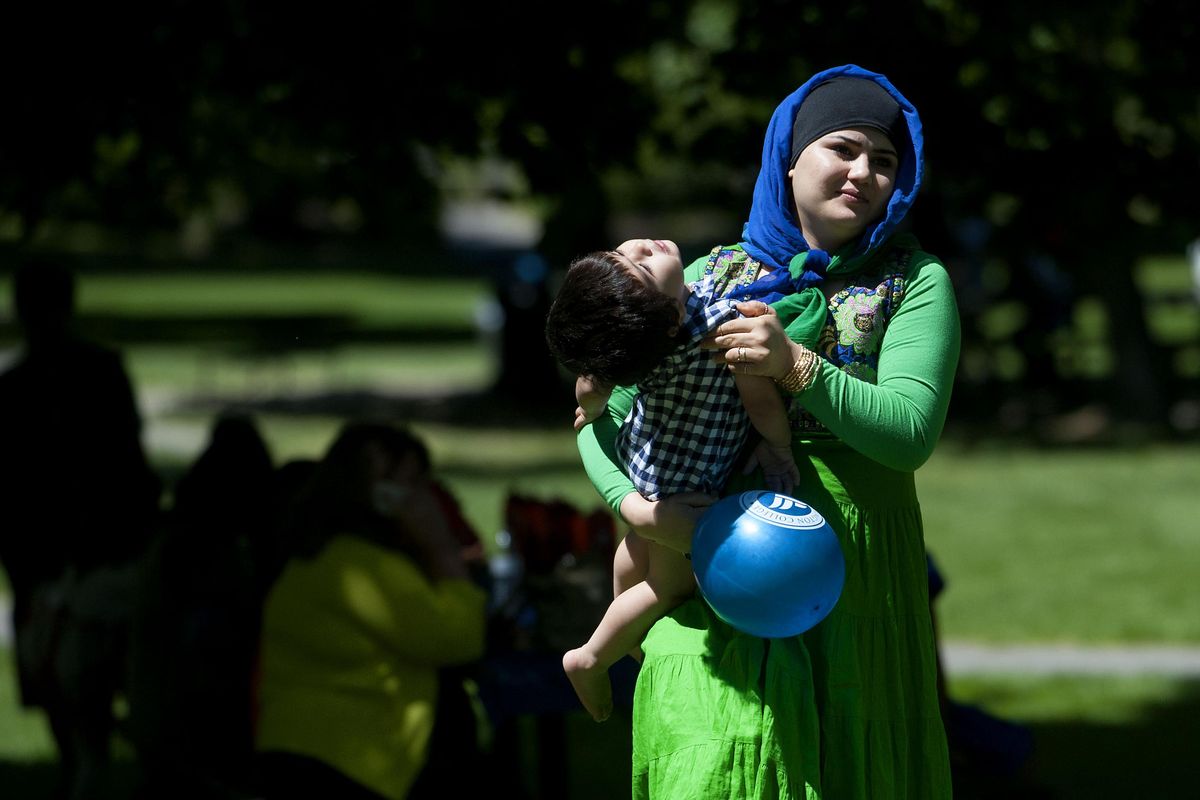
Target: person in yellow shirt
x=358, y=624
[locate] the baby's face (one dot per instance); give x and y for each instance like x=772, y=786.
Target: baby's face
x=656, y=263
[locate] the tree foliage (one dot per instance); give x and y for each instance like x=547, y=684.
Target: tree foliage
x=257, y=114
x=1066, y=128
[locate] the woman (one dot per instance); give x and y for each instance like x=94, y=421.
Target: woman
x=358, y=624
x=864, y=340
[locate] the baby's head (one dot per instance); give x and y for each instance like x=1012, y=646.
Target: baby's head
x=618, y=314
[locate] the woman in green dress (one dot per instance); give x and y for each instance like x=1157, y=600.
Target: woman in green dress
x=863, y=342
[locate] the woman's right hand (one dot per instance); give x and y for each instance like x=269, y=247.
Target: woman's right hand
x=422, y=523
x=670, y=521
x=754, y=343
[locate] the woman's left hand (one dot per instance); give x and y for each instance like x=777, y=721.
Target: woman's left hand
x=753, y=344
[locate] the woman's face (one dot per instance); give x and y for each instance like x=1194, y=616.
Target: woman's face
x=404, y=469
x=841, y=184
x=656, y=263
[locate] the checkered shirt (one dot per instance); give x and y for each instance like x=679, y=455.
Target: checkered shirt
x=687, y=424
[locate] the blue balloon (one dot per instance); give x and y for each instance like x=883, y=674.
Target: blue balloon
x=767, y=563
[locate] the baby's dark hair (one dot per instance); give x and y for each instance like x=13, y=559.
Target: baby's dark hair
x=607, y=325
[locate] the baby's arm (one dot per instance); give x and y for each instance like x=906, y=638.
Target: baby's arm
x=765, y=408
x=592, y=398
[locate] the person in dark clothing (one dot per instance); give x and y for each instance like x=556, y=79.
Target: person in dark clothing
x=195, y=632
x=78, y=502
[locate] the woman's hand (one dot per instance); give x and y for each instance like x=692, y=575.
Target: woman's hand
x=422, y=523
x=670, y=521
x=754, y=344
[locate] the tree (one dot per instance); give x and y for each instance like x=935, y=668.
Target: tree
x=1065, y=128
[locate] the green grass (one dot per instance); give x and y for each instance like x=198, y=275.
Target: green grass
x=373, y=298
x=1087, y=546
x=211, y=369
x=24, y=734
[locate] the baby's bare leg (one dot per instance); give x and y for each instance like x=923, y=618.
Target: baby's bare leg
x=668, y=583
x=630, y=566
x=631, y=562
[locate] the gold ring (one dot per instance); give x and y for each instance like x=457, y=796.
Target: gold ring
x=741, y=354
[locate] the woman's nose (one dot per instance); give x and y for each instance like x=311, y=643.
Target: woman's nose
x=860, y=168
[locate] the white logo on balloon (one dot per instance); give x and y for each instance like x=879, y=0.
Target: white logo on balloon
x=779, y=509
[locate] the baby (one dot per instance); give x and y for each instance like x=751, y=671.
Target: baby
x=627, y=318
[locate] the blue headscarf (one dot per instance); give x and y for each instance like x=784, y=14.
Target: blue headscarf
x=772, y=234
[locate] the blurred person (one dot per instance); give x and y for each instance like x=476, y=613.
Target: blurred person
x=196, y=631
x=79, y=502
x=273, y=550
x=375, y=600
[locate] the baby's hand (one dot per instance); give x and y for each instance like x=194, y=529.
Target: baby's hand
x=592, y=399
x=585, y=415
x=778, y=466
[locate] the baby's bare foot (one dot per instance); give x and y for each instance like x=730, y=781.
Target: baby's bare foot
x=591, y=683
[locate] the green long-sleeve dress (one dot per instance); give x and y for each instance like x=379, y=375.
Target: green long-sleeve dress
x=849, y=709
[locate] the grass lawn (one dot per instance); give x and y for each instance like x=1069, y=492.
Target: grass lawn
x=375, y=299
x=1087, y=546
x=217, y=370
x=24, y=735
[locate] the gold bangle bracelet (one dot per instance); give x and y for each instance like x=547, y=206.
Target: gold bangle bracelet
x=802, y=373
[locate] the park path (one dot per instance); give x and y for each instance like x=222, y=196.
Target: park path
x=962, y=658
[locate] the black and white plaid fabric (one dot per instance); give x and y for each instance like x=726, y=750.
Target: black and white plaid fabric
x=687, y=424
